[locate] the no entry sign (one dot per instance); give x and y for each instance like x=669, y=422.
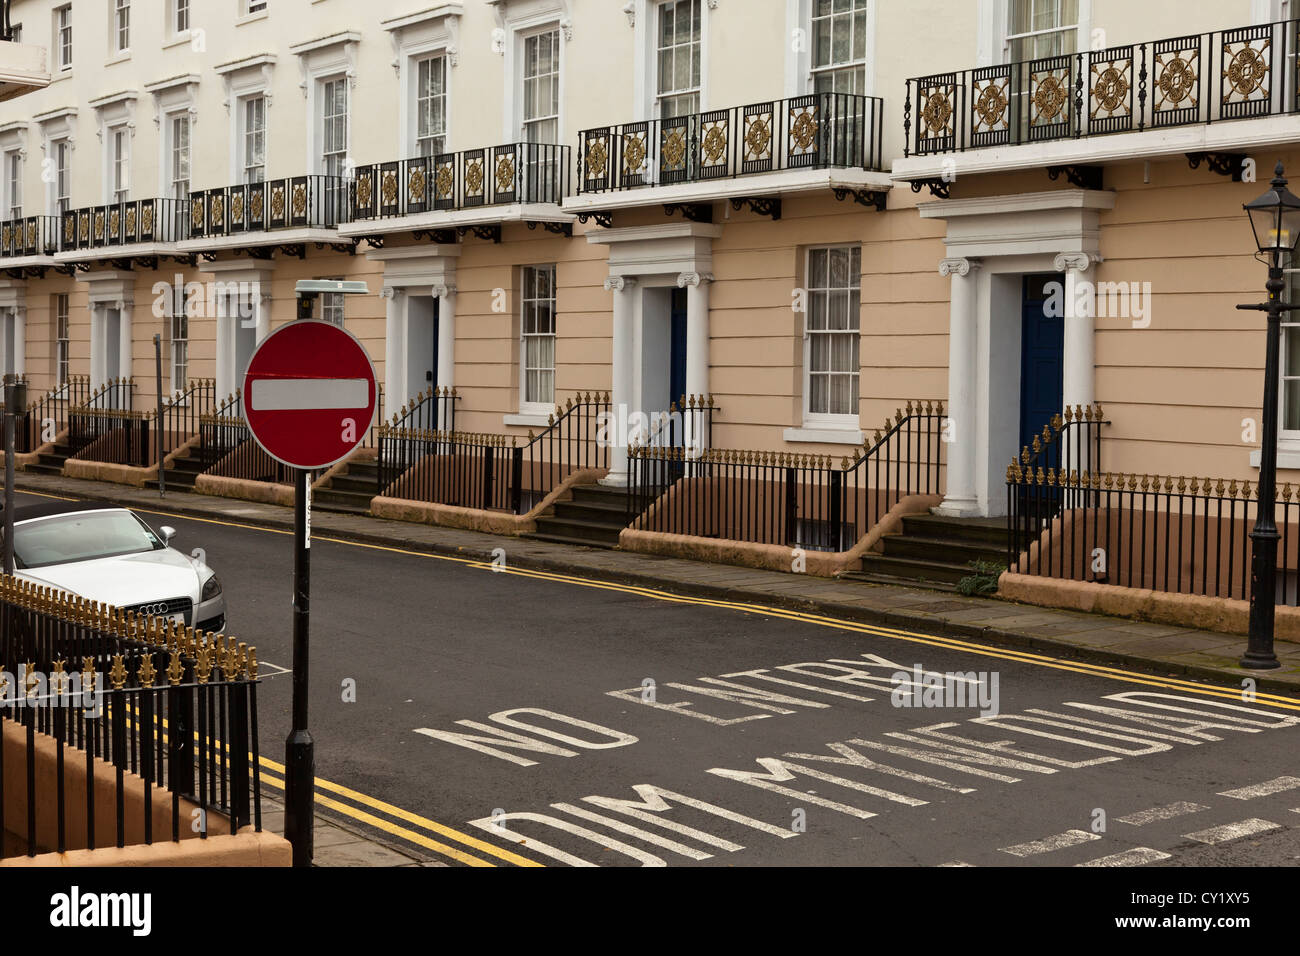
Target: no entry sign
x=309, y=394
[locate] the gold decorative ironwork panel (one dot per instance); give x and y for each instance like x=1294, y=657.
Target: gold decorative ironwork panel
x=672, y=152
x=1109, y=84
x=1176, y=81
x=935, y=116
x=596, y=161
x=505, y=178
x=1049, y=96
x=277, y=202
x=1247, y=72
x=299, y=200
x=634, y=153
x=805, y=122
x=237, y=209
x=991, y=104
x=715, y=137
x=416, y=183
x=474, y=177
x=130, y=220
x=388, y=187
x=756, y=137
x=444, y=181
x=365, y=189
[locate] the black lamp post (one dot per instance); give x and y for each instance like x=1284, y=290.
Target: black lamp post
x=1275, y=218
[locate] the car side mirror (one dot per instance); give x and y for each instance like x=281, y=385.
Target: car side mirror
x=168, y=533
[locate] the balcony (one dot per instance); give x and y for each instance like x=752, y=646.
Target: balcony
x=1193, y=82
x=798, y=144
x=23, y=68
x=287, y=213
x=136, y=227
x=476, y=189
x=29, y=243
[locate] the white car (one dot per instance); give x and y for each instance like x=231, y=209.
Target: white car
x=107, y=554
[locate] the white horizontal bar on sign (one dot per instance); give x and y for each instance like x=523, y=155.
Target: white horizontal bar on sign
x=306, y=394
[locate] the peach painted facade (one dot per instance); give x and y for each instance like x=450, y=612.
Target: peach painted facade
x=1177, y=391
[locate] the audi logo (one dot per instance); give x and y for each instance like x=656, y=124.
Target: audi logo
x=159, y=608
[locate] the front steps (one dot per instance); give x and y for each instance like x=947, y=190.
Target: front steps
x=182, y=475
x=593, y=518
x=351, y=490
x=51, y=462
x=934, y=552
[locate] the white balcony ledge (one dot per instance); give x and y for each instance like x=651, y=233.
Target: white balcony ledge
x=27, y=262
x=128, y=251
x=23, y=69
x=1227, y=136
x=786, y=182
x=450, y=219
x=259, y=238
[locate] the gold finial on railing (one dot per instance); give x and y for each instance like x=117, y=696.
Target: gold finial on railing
x=146, y=673
x=175, y=669
x=1232, y=488
x=1037, y=445
x=1286, y=491
x=252, y=663
x=202, y=665
x=1245, y=490
x=117, y=674
x=88, y=673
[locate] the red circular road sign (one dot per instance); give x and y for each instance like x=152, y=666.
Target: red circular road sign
x=309, y=394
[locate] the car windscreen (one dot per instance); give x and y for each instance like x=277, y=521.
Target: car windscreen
x=84, y=536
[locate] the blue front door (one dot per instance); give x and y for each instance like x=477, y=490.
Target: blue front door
x=1042, y=348
x=677, y=347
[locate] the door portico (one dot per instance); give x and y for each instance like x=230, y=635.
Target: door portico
x=993, y=243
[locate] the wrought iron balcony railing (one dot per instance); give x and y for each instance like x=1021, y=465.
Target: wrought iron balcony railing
x=29, y=236
x=496, y=175
x=1197, y=79
x=124, y=223
x=292, y=202
x=816, y=131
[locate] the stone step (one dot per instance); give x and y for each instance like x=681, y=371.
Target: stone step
x=864, y=577
x=573, y=542
x=942, y=551
x=577, y=529
x=914, y=571
x=989, y=531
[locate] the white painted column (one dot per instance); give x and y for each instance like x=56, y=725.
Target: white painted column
x=20, y=339
x=697, y=344
x=445, y=293
x=98, y=372
x=622, y=374
x=125, y=352
x=394, y=349
x=1078, y=386
x=963, y=367
x=1078, y=375
x=226, y=320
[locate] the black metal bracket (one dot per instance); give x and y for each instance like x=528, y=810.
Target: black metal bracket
x=1085, y=177
x=863, y=197
x=343, y=245
x=762, y=205
x=1225, y=164
x=256, y=252
x=443, y=237
x=376, y=242
x=27, y=272
x=605, y=219
x=692, y=211
x=72, y=268
x=491, y=231
x=559, y=228
x=126, y=265
x=208, y=256
x=939, y=188
x=184, y=258
x=298, y=249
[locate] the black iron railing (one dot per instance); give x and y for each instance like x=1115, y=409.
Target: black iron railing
x=496, y=175
x=179, y=417
x=797, y=500
x=29, y=236
x=47, y=417
x=172, y=712
x=1179, y=535
x=494, y=472
x=814, y=131
x=291, y=202
x=125, y=223
x=1199, y=78
x=227, y=448
x=107, y=428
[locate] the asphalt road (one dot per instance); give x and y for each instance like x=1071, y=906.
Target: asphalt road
x=410, y=650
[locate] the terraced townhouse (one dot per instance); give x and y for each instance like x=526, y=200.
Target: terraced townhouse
x=732, y=278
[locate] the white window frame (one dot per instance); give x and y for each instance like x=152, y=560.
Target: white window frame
x=332, y=305
x=1288, y=437
x=523, y=19
x=173, y=154
x=119, y=26
x=115, y=114
x=243, y=138
x=417, y=98
x=998, y=20
x=658, y=12
x=13, y=185
x=62, y=337
x=523, y=37
x=253, y=8
x=117, y=144
x=61, y=185
x=319, y=62
x=244, y=80
x=414, y=37
x=534, y=406
x=64, y=38
x=320, y=120
x=829, y=420
x=178, y=349
x=57, y=129
x=645, y=84
x=860, y=63
x=174, y=11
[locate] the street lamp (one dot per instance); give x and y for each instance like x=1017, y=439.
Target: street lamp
x=1275, y=219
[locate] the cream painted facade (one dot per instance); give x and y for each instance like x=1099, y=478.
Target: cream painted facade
x=939, y=287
